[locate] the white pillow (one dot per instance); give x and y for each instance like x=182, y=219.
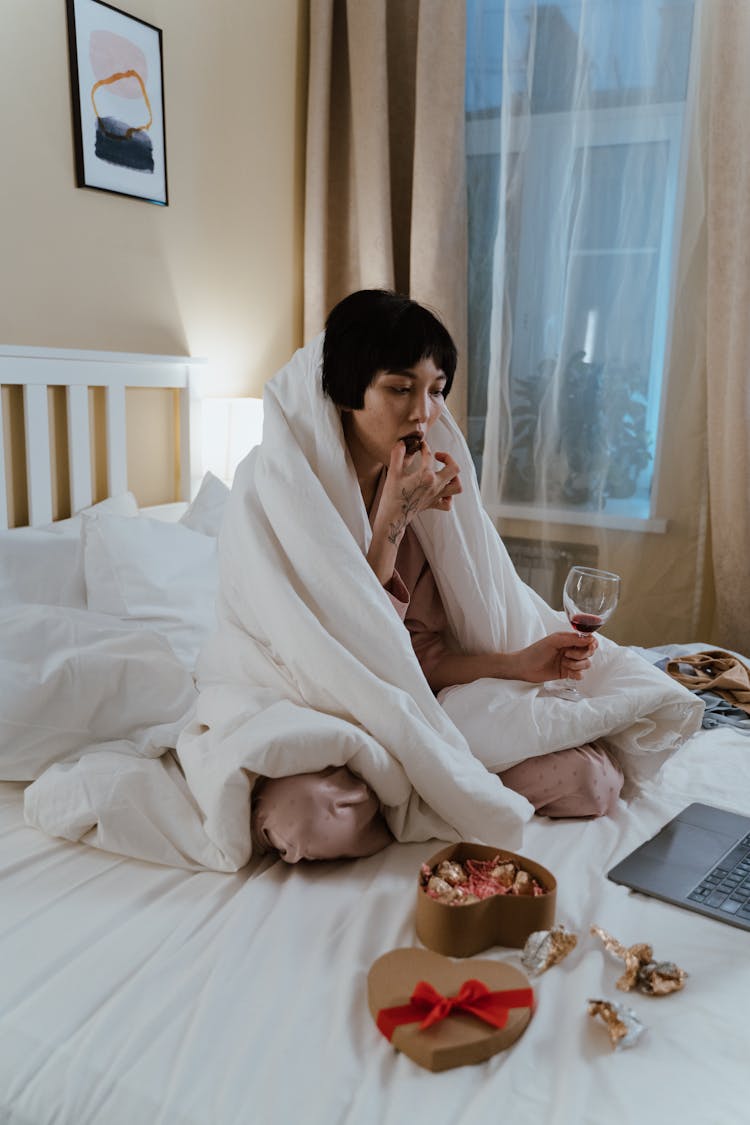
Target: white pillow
x=171, y=512
x=207, y=509
x=71, y=680
x=123, y=505
x=44, y=565
x=159, y=576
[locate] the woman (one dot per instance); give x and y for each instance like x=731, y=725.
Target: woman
x=388, y=366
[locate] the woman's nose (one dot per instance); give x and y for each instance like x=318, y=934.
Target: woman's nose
x=421, y=408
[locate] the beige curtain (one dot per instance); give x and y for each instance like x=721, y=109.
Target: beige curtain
x=385, y=202
x=728, y=316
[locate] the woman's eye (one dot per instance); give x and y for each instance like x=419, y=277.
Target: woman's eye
x=401, y=390
x=436, y=394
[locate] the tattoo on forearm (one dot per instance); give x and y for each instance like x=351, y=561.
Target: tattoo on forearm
x=395, y=532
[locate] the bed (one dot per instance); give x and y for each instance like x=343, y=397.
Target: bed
x=133, y=991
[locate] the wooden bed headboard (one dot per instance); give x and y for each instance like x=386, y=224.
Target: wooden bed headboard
x=32, y=372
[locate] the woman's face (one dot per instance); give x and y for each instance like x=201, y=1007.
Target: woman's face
x=396, y=404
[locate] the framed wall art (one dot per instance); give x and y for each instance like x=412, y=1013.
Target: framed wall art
x=117, y=88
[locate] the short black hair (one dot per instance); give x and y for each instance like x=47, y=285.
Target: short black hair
x=377, y=330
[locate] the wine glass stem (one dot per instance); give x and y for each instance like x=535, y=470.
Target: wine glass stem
x=569, y=683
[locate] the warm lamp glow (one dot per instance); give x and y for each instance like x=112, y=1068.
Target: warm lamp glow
x=230, y=428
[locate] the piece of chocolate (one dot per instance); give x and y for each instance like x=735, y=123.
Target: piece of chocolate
x=622, y=1023
x=413, y=444
x=545, y=948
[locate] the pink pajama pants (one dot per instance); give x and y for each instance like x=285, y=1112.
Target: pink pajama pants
x=333, y=814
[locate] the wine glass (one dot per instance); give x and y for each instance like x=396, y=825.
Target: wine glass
x=590, y=597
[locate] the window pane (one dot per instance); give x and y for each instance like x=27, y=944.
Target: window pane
x=627, y=51
x=618, y=186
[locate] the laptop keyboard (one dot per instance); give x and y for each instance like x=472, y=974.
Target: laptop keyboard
x=727, y=886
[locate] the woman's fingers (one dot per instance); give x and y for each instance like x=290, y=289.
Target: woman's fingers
x=450, y=467
x=398, y=456
x=444, y=500
x=575, y=644
x=449, y=478
x=575, y=668
x=438, y=486
x=577, y=660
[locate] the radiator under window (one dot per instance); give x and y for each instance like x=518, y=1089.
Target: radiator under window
x=544, y=565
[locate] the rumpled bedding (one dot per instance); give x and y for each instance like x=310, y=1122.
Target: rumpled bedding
x=311, y=667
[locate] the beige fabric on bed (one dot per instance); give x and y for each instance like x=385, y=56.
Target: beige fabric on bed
x=385, y=201
x=728, y=328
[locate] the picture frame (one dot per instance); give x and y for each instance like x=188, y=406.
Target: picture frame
x=117, y=94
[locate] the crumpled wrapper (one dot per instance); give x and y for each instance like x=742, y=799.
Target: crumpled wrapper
x=545, y=948
x=623, y=1026
x=449, y=893
x=459, y=884
x=655, y=978
x=451, y=872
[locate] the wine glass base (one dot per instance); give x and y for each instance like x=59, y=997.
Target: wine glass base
x=560, y=690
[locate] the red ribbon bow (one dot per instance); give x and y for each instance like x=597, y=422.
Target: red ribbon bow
x=429, y=1006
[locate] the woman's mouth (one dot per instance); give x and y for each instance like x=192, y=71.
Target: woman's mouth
x=413, y=442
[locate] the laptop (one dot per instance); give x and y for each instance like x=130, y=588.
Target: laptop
x=700, y=861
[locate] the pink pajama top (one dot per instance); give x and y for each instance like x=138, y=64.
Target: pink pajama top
x=415, y=597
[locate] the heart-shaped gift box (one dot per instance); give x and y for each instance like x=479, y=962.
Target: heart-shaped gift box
x=471, y=1010
x=502, y=919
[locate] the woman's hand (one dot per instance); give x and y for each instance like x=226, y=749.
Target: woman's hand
x=556, y=657
x=413, y=485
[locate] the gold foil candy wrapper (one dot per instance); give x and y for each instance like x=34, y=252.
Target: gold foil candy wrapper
x=623, y=1026
x=437, y=886
x=452, y=872
x=463, y=898
x=655, y=978
x=659, y=978
x=442, y=891
x=545, y=948
x=504, y=874
x=523, y=884
x=459, y=884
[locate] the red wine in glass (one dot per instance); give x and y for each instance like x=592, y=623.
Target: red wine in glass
x=590, y=597
x=586, y=622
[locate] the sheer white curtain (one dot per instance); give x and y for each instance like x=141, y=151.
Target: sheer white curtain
x=576, y=115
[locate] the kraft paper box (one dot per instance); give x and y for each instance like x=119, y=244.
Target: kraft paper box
x=457, y=1037
x=502, y=919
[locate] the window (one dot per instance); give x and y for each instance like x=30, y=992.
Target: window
x=575, y=116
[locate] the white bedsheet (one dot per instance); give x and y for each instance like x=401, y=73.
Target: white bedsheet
x=133, y=993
